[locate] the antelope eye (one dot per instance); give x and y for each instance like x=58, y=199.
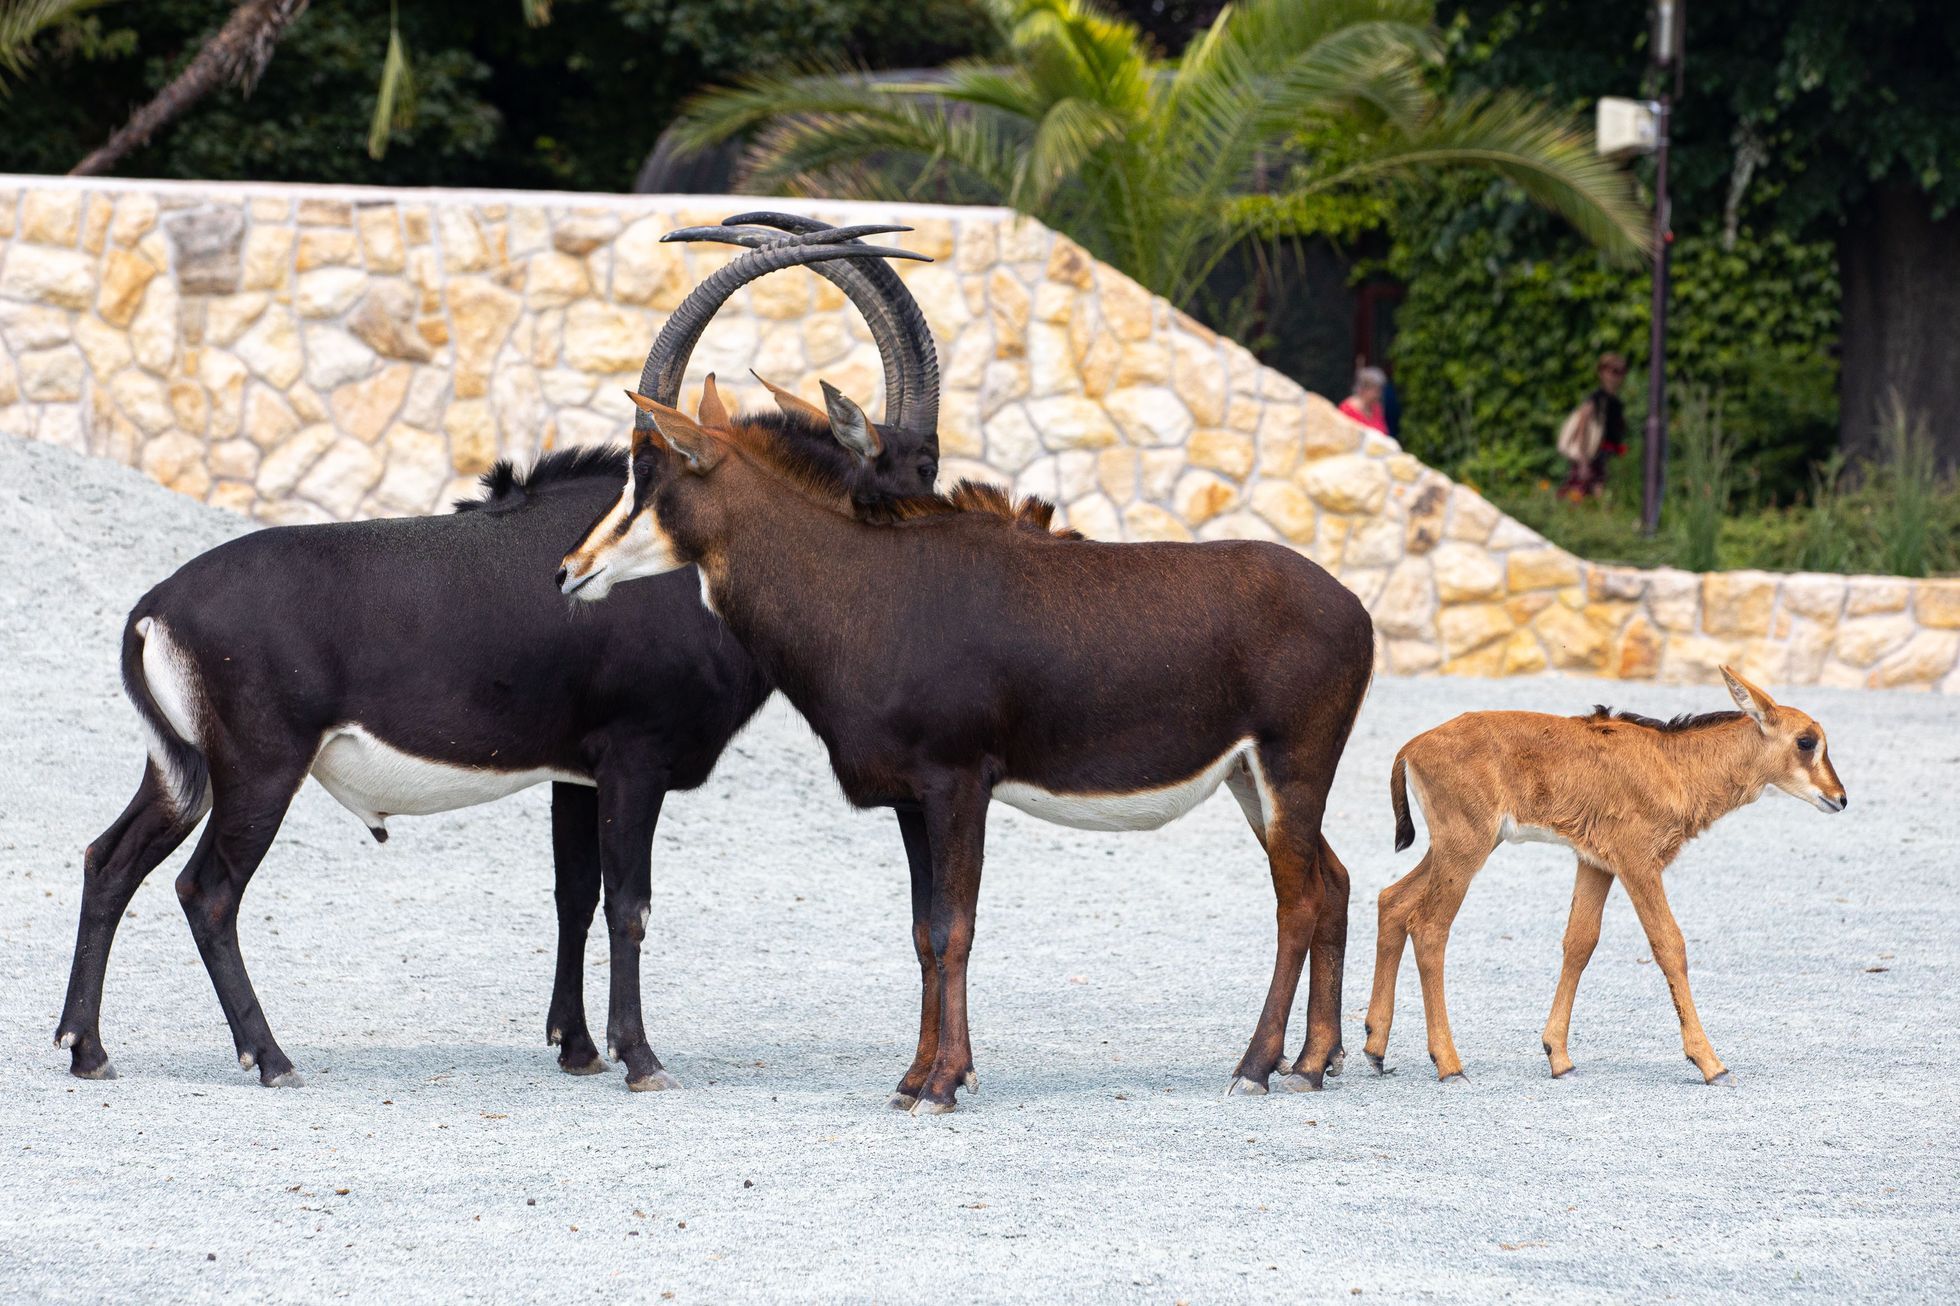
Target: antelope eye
x=927, y=471
x=1806, y=743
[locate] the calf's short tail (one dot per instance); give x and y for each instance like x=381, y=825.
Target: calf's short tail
x=1398, y=796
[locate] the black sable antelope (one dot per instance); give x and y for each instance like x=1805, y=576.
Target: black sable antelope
x=951, y=651
x=424, y=664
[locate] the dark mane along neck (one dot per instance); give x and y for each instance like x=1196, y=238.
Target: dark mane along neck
x=804, y=454
x=1685, y=723
x=504, y=487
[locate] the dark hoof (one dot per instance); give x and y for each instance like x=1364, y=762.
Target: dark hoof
x=598, y=1065
x=1725, y=1079
x=971, y=1081
x=902, y=1101
x=1337, y=1062
x=104, y=1069
x=1243, y=1087
x=657, y=1082
x=926, y=1106
x=1285, y=1067
x=1376, y=1062
x=1300, y=1084
x=287, y=1078
x=1566, y=1073
x=1458, y=1078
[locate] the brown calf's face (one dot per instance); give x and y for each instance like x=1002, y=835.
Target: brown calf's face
x=1796, y=754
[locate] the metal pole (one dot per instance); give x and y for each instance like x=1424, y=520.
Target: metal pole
x=1654, y=479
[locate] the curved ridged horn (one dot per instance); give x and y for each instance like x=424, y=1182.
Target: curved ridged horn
x=899, y=328
x=666, y=363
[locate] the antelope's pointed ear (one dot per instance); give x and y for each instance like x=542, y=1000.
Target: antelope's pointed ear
x=712, y=411
x=1754, y=703
x=681, y=433
x=849, y=424
x=792, y=405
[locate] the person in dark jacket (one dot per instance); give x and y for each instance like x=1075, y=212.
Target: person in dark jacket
x=1588, y=476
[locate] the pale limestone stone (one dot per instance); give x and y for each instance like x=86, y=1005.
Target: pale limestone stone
x=48, y=276
x=1407, y=605
x=381, y=237
x=1076, y=474
x=384, y=322
x=1423, y=522
x=1240, y=525
x=190, y=407
x=1119, y=471
x=62, y=425
x=482, y=314
x=1243, y=414
x=1200, y=496
x=319, y=212
x=95, y=223
x=1869, y=594
x=50, y=217
x=1150, y=415
x=582, y=232
x=1287, y=507
x=328, y=292
x=154, y=330
x=1737, y=602
x=1404, y=467
x=428, y=392
x=1144, y=362
x=979, y=245
x=1376, y=542
x=1013, y=440
x=268, y=258
x=1696, y=658
x=782, y=297
x=34, y=326
x=1097, y=365
x=959, y=427
x=227, y=316
x=269, y=419
x=1004, y=381
x=341, y=477
x=1639, y=656
x=289, y=512
x=233, y=496
x=1280, y=441
x=825, y=340
x=1070, y=265
x=728, y=349
x=1509, y=534
x=1325, y=430
x=136, y=214
x=417, y=471
x=235, y=459
x=553, y=280
x=1068, y=422
x=1350, y=483
x=1040, y=479
x=472, y=429
x=1469, y=626
x=463, y=246
x=1626, y=583
x=207, y=249
x=1407, y=657
x=9, y=383
x=1861, y=641
x=1199, y=378
x=1146, y=521
x=529, y=230
x=645, y=271
x=176, y=461
x=125, y=276
x=364, y=408
x=1820, y=598
x=1126, y=307
x=1807, y=644
x=1937, y=604
x=1540, y=569
x=1674, y=598
x=780, y=351
x=332, y=356
x=1229, y=452
x=1096, y=517
x=1051, y=368
x=52, y=375
x=1570, y=639
x=1472, y=518
x=224, y=379
x=581, y=426
x=566, y=389
x=306, y=402
x=1007, y=304
x=1464, y=571
x=142, y=399
x=520, y=406
x=1160, y=469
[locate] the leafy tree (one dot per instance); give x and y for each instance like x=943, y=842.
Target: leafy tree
x=1157, y=166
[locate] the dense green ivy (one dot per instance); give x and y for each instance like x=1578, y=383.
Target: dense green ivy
x=1494, y=349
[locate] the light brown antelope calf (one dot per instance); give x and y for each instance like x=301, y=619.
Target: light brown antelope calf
x=1623, y=791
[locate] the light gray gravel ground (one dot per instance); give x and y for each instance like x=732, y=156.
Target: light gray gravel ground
x=437, y=1153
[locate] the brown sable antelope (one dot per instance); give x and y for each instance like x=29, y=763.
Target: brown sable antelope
x=1624, y=792
x=951, y=651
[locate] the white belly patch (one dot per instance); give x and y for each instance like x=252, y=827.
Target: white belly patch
x=375, y=780
x=1139, y=809
x=1509, y=831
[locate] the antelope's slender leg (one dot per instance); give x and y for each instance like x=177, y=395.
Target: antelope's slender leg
x=576, y=878
x=1393, y=907
x=148, y=831
x=248, y=806
x=1589, y=892
x=1671, y=954
x=956, y=830
x=918, y=860
x=1293, y=853
x=1429, y=929
x=628, y=812
x=1322, y=1053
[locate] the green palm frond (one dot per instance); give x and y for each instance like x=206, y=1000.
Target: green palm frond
x=21, y=21
x=394, y=105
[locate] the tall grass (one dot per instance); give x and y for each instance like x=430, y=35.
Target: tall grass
x=1909, y=480
x=1827, y=540
x=1705, y=462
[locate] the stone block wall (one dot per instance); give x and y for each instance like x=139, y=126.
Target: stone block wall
x=323, y=353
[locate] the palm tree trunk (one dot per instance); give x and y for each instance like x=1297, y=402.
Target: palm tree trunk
x=238, y=53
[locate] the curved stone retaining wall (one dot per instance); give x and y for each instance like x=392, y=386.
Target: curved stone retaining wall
x=316, y=353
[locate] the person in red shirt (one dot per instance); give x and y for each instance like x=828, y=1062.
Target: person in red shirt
x=1365, y=404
